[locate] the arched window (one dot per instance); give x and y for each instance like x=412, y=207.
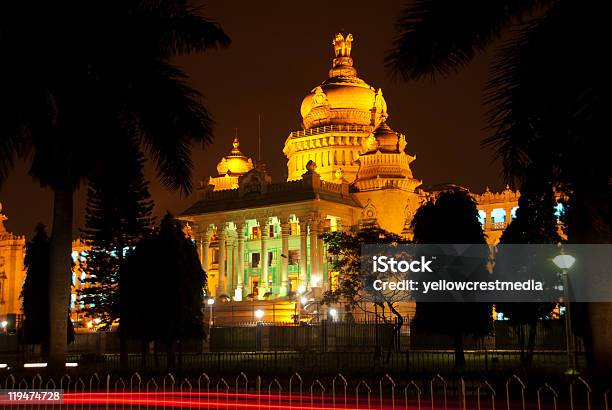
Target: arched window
x=498, y=215
x=482, y=217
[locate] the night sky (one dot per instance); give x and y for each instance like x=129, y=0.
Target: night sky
x=281, y=50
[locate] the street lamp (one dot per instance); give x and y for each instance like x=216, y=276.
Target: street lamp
x=565, y=262
x=259, y=314
x=334, y=314
x=210, y=303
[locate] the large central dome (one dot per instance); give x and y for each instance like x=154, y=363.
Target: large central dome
x=344, y=98
x=338, y=115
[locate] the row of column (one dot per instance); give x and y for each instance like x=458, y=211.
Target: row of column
x=312, y=227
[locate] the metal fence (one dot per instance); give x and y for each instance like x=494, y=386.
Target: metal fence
x=136, y=391
x=326, y=336
x=322, y=336
x=316, y=363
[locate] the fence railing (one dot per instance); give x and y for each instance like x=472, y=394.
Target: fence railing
x=239, y=391
x=316, y=363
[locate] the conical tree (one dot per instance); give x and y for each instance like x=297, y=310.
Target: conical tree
x=163, y=289
x=118, y=216
x=35, y=294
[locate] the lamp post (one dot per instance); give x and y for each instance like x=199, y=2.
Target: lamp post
x=210, y=303
x=565, y=262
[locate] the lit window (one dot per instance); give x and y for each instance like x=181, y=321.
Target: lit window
x=498, y=215
x=255, y=260
x=482, y=216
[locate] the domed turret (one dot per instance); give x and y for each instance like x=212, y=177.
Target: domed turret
x=230, y=168
x=384, y=139
x=235, y=163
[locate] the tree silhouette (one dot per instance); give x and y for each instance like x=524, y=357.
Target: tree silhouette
x=107, y=78
x=452, y=219
x=546, y=104
x=347, y=258
x=162, y=289
x=35, y=295
x=118, y=216
x=535, y=224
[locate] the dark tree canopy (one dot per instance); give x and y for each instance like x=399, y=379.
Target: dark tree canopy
x=452, y=218
x=79, y=81
x=536, y=224
x=546, y=104
x=163, y=287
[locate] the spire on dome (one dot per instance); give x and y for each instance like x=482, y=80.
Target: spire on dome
x=342, y=45
x=343, y=63
x=235, y=163
x=235, y=146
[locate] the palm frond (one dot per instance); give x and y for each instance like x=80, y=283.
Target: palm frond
x=438, y=37
x=186, y=30
x=543, y=95
x=169, y=121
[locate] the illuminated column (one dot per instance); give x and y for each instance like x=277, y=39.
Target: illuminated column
x=303, y=254
x=263, y=285
x=315, y=273
x=285, y=231
x=508, y=215
x=221, y=283
x=231, y=268
x=488, y=219
x=240, y=263
x=320, y=256
x=204, y=248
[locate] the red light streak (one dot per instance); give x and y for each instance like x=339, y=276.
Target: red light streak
x=221, y=400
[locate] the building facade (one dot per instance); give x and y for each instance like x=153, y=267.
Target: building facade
x=347, y=168
x=12, y=274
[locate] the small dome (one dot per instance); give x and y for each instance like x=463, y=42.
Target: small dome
x=384, y=139
x=236, y=163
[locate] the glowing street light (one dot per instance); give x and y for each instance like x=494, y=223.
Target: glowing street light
x=4, y=324
x=210, y=302
x=259, y=314
x=565, y=262
x=334, y=314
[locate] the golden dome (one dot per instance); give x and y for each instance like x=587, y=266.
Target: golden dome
x=343, y=98
x=235, y=163
x=384, y=139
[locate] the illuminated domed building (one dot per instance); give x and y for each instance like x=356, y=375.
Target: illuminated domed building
x=230, y=168
x=347, y=168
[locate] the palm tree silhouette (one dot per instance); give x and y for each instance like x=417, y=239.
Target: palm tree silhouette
x=78, y=81
x=546, y=111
